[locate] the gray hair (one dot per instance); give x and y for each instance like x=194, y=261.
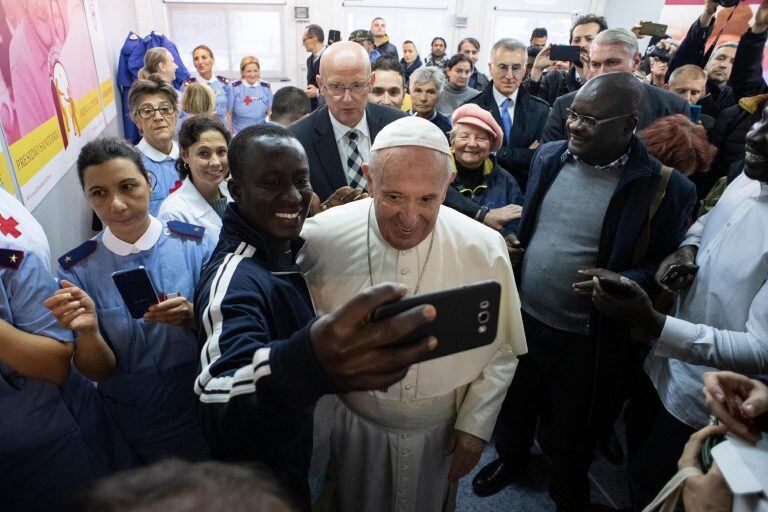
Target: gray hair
x=508, y=44
x=427, y=74
x=620, y=36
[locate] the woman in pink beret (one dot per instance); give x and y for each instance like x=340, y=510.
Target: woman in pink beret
x=474, y=136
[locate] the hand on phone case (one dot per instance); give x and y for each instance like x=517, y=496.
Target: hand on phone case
x=174, y=311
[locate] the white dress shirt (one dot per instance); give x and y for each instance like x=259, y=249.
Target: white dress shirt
x=342, y=143
x=500, y=98
x=721, y=321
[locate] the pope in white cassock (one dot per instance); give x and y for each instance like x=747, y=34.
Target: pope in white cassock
x=405, y=447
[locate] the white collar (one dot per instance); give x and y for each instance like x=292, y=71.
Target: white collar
x=340, y=130
x=499, y=98
x=155, y=155
x=213, y=79
x=318, y=54
x=255, y=84
x=145, y=241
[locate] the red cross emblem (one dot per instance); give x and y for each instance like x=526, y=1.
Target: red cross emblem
x=175, y=187
x=8, y=227
x=247, y=100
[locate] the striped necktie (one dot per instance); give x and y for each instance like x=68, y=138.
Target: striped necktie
x=355, y=174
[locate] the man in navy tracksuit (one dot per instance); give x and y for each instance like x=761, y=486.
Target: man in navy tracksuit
x=264, y=360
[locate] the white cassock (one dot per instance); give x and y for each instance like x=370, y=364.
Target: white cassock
x=389, y=447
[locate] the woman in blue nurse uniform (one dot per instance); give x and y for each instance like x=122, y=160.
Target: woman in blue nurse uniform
x=202, y=58
x=55, y=437
x=251, y=98
x=154, y=109
x=145, y=367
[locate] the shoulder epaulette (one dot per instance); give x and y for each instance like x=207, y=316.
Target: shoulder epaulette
x=190, y=80
x=265, y=84
x=10, y=259
x=77, y=254
x=222, y=79
x=237, y=83
x=182, y=228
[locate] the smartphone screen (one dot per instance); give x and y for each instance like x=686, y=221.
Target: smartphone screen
x=565, y=52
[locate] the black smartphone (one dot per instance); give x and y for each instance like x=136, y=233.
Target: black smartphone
x=648, y=28
x=334, y=36
x=136, y=289
x=616, y=287
x=675, y=272
x=565, y=52
x=467, y=317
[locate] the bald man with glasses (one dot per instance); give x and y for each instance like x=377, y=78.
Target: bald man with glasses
x=347, y=122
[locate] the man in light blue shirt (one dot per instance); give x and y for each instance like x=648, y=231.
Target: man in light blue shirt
x=721, y=320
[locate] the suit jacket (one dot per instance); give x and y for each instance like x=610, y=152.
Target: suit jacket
x=527, y=126
x=313, y=69
x=315, y=133
x=657, y=103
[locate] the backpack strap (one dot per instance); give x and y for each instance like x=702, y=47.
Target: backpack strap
x=645, y=235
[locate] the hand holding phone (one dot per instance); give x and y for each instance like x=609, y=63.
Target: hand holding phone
x=648, y=28
x=571, y=53
x=136, y=289
x=677, y=271
x=467, y=317
x=616, y=287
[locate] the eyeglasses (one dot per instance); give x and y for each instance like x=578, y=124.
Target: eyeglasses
x=149, y=112
x=591, y=121
x=505, y=68
x=337, y=91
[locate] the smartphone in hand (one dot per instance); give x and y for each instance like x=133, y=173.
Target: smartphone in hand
x=675, y=272
x=615, y=287
x=136, y=289
x=467, y=317
x=564, y=52
x=648, y=28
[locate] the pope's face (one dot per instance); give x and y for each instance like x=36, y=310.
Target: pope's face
x=408, y=186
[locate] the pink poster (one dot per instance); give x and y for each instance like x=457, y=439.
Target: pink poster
x=49, y=90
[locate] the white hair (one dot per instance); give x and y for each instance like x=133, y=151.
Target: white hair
x=428, y=74
x=619, y=36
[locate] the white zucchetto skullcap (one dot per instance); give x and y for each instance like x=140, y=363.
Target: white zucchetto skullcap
x=412, y=131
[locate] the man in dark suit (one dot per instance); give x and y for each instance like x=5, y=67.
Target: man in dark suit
x=337, y=137
x=613, y=50
x=312, y=38
x=521, y=115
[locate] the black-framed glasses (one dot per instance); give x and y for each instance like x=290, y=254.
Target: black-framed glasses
x=166, y=110
x=591, y=121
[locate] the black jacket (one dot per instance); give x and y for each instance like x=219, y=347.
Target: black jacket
x=624, y=220
x=554, y=84
x=388, y=49
x=657, y=103
x=259, y=379
x=527, y=126
x=313, y=69
x=315, y=133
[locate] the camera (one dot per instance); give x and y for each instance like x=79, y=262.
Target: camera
x=728, y=3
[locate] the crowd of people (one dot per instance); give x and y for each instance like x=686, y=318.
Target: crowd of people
x=616, y=199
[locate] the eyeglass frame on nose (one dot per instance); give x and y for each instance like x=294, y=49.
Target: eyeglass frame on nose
x=154, y=110
x=506, y=68
x=591, y=121
x=337, y=91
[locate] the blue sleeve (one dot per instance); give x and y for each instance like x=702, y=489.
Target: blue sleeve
x=230, y=98
x=27, y=288
x=247, y=378
x=514, y=196
x=269, y=97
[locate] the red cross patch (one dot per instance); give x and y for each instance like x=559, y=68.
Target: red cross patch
x=247, y=100
x=8, y=227
x=175, y=187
